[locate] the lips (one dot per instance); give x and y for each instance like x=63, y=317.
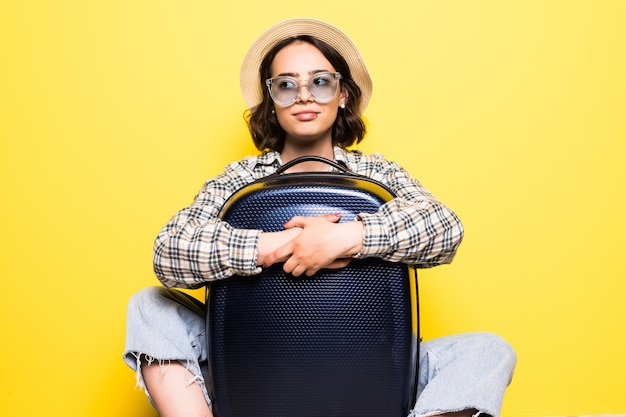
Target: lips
x=306, y=115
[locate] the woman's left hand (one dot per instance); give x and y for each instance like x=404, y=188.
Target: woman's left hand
x=323, y=243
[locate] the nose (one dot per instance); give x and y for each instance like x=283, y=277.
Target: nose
x=304, y=95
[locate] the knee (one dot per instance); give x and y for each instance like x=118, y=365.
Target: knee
x=146, y=299
x=497, y=347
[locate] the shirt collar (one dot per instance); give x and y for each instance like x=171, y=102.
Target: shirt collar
x=269, y=158
x=341, y=156
x=273, y=157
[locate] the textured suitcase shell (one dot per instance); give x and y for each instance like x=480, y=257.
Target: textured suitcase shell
x=340, y=343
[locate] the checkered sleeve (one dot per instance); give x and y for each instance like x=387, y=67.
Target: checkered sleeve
x=414, y=227
x=196, y=246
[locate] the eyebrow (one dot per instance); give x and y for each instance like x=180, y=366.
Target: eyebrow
x=295, y=75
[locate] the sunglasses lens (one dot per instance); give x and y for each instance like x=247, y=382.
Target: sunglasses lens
x=284, y=90
x=323, y=86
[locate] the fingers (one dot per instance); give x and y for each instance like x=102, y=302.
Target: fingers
x=303, y=221
x=279, y=255
x=339, y=263
x=296, y=269
x=270, y=242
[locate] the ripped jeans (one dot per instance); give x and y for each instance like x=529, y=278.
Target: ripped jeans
x=466, y=371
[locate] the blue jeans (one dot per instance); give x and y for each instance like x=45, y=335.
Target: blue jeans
x=467, y=371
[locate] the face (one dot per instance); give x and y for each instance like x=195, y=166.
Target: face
x=306, y=120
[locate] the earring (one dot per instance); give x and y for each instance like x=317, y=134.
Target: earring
x=343, y=106
x=273, y=111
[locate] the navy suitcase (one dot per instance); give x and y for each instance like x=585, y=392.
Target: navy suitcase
x=341, y=343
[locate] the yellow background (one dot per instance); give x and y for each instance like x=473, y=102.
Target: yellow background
x=113, y=113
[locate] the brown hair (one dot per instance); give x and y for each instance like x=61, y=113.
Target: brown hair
x=348, y=128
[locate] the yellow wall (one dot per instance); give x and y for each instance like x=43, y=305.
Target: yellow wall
x=112, y=113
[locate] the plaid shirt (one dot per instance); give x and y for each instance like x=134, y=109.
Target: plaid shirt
x=196, y=246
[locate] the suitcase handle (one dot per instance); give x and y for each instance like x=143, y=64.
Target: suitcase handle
x=309, y=158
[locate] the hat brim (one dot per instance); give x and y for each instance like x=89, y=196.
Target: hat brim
x=251, y=86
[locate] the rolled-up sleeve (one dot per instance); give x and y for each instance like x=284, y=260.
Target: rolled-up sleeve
x=415, y=227
x=196, y=247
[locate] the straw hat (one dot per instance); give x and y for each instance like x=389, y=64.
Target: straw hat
x=251, y=86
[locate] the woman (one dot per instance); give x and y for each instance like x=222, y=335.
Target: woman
x=307, y=87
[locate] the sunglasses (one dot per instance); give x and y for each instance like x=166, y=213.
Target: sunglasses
x=285, y=90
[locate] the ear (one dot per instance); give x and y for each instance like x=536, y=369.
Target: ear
x=343, y=97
